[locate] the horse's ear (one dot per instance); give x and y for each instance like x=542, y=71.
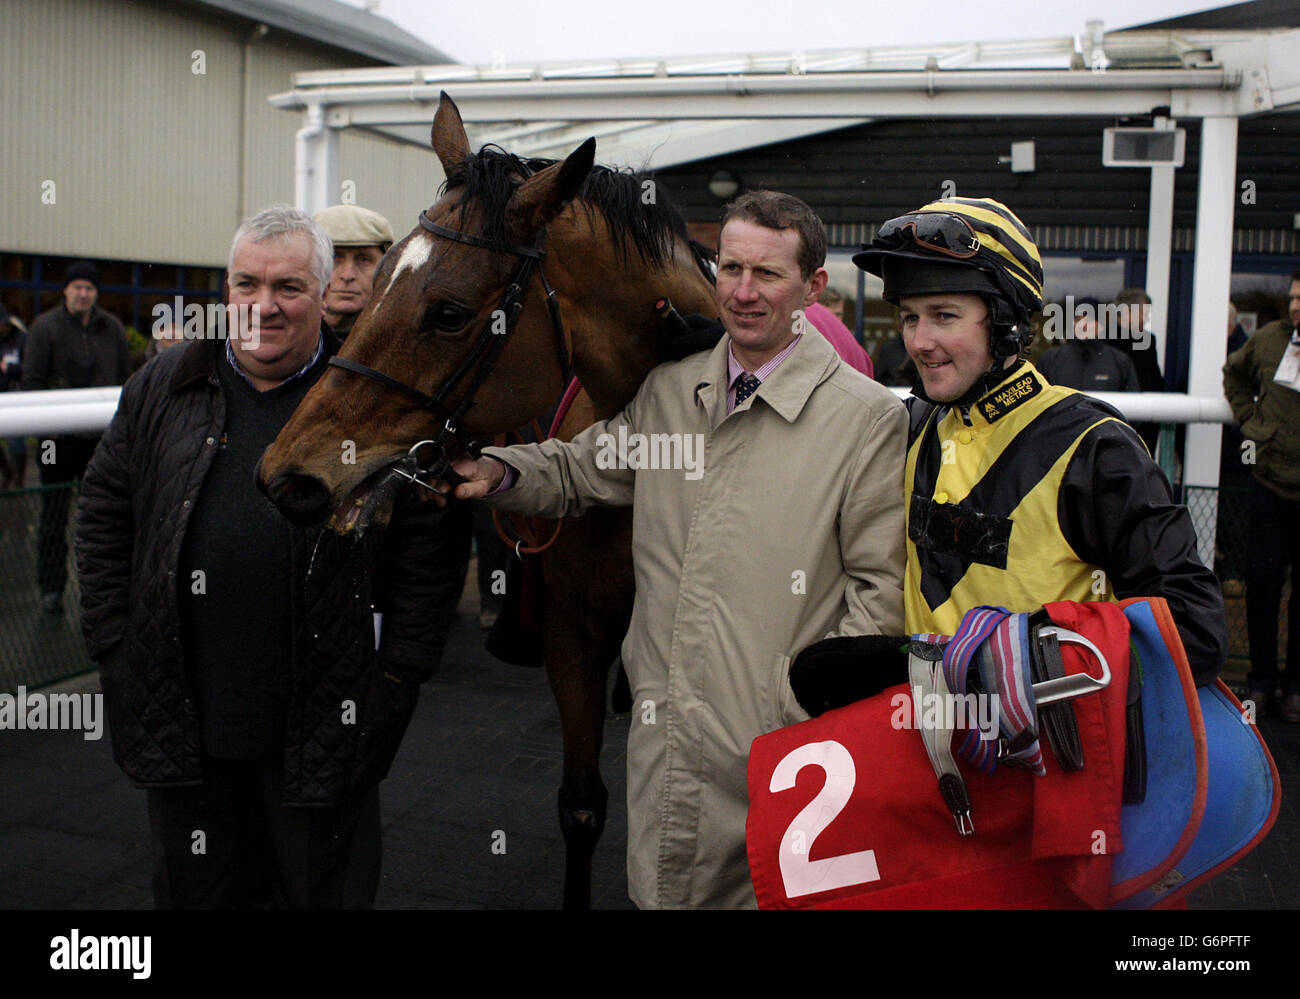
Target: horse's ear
x=540, y=198
x=448, y=136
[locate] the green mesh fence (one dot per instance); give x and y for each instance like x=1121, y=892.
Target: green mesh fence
x=37, y=646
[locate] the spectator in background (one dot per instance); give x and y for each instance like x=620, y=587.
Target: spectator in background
x=169, y=333
x=1262, y=383
x=893, y=365
x=839, y=336
x=833, y=301
x=1236, y=332
x=361, y=238
x=1084, y=361
x=1234, y=478
x=13, y=455
x=76, y=344
x=1133, y=336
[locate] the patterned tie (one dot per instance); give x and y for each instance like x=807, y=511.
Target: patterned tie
x=746, y=385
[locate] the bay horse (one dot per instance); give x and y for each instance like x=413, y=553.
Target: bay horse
x=520, y=270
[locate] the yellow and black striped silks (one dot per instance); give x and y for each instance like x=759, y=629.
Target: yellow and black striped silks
x=982, y=519
x=1005, y=243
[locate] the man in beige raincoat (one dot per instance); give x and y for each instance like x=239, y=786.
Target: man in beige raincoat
x=777, y=523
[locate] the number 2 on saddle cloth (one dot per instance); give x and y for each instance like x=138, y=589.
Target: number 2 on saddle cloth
x=845, y=810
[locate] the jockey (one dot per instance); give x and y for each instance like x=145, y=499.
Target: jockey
x=1020, y=492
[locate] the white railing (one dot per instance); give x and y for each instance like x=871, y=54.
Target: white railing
x=64, y=411
x=58, y=411
x=1155, y=407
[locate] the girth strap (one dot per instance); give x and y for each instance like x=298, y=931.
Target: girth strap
x=928, y=682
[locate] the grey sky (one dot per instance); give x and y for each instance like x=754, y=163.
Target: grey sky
x=526, y=31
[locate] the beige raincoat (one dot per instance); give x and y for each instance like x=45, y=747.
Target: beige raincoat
x=784, y=528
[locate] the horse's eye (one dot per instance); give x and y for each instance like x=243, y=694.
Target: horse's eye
x=448, y=318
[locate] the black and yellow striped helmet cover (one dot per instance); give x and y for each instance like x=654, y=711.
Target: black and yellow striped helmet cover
x=1006, y=250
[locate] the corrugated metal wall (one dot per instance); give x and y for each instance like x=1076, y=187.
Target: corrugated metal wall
x=396, y=180
x=114, y=147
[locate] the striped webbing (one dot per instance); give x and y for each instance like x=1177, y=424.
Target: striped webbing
x=998, y=641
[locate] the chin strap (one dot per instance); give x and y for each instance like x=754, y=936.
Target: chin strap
x=985, y=384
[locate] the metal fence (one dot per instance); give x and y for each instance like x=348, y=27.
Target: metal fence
x=1231, y=547
x=36, y=646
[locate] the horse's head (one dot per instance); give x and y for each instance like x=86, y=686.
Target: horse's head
x=458, y=296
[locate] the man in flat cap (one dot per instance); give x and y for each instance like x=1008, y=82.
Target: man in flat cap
x=361, y=238
x=76, y=344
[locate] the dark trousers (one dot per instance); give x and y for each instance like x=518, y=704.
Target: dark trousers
x=1274, y=544
x=71, y=456
x=231, y=844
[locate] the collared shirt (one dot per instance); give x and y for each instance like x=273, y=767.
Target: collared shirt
x=320, y=349
x=734, y=369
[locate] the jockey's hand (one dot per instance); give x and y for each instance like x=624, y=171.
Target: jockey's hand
x=478, y=477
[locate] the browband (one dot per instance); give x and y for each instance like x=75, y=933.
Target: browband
x=488, y=244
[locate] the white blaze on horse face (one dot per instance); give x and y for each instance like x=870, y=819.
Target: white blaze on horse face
x=414, y=256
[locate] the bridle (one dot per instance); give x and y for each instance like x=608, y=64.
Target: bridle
x=484, y=353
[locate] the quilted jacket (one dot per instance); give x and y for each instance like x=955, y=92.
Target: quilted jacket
x=349, y=703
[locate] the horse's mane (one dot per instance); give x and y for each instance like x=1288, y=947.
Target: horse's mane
x=490, y=176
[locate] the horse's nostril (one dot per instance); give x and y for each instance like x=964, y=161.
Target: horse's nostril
x=303, y=499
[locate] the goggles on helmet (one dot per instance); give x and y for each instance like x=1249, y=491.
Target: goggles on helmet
x=949, y=235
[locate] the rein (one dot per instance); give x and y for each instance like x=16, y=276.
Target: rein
x=483, y=354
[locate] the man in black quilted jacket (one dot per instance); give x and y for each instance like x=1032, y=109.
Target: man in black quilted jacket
x=258, y=677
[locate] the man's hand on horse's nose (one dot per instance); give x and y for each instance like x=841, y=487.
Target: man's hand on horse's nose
x=481, y=476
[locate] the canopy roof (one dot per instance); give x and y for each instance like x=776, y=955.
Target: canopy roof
x=657, y=113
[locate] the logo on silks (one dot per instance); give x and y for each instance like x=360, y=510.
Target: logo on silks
x=1007, y=398
x=847, y=811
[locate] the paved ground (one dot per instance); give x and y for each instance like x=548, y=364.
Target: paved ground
x=480, y=766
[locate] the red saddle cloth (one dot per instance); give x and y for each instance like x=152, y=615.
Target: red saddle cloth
x=845, y=809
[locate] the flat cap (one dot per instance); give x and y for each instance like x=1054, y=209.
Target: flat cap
x=352, y=225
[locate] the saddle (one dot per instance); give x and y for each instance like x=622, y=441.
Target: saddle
x=846, y=811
